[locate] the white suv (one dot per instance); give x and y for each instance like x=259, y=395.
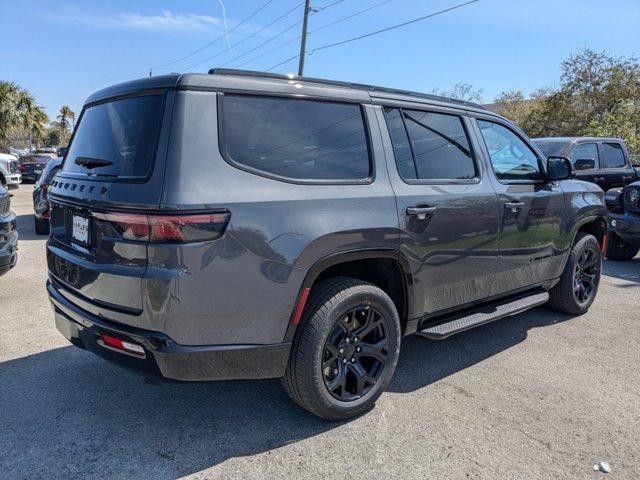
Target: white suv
x=9, y=170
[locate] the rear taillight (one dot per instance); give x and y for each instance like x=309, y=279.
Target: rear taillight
x=22, y=168
x=118, y=344
x=168, y=228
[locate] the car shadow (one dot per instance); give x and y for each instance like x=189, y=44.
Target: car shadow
x=27, y=228
x=629, y=271
x=69, y=413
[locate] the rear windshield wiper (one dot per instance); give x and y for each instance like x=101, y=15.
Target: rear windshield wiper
x=89, y=162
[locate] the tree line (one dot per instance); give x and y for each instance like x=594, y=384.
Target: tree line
x=23, y=120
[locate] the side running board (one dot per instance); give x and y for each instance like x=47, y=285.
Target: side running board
x=461, y=322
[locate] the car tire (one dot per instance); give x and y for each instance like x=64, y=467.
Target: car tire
x=42, y=226
x=572, y=293
x=618, y=250
x=337, y=310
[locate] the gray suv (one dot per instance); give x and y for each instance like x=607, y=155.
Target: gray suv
x=248, y=225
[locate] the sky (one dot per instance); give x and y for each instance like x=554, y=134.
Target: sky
x=62, y=50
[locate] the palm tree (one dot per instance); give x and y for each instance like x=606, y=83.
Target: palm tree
x=19, y=112
x=66, y=119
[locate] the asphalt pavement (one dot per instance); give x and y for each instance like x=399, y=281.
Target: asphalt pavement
x=538, y=395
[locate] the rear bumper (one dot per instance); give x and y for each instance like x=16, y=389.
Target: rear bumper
x=626, y=226
x=163, y=357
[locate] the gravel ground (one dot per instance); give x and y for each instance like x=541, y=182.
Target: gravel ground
x=539, y=395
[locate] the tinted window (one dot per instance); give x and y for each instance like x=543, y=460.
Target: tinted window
x=438, y=143
x=550, y=148
x=586, y=151
x=116, y=138
x=613, y=155
x=300, y=139
x=401, y=146
x=511, y=158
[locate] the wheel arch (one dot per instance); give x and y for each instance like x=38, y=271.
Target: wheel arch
x=595, y=225
x=353, y=263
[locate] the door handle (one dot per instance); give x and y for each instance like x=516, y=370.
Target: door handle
x=421, y=212
x=514, y=206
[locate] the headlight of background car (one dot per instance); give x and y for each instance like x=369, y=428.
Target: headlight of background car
x=632, y=196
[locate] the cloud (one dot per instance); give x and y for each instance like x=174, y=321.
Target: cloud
x=165, y=21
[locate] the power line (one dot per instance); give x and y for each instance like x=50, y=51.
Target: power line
x=360, y=37
x=263, y=43
x=288, y=42
x=255, y=12
x=331, y=24
x=282, y=63
x=244, y=39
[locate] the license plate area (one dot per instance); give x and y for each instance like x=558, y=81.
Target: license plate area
x=80, y=230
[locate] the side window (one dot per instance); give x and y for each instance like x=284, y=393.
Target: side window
x=401, y=145
x=434, y=146
x=296, y=139
x=586, y=151
x=613, y=155
x=511, y=158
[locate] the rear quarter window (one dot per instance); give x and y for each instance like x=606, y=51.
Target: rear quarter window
x=304, y=140
x=613, y=155
x=116, y=138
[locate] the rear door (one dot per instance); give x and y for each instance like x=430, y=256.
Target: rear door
x=618, y=169
x=447, y=207
x=114, y=166
x=531, y=209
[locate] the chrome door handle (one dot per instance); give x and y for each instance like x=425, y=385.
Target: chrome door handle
x=421, y=212
x=514, y=206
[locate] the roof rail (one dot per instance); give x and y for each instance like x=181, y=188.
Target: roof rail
x=337, y=83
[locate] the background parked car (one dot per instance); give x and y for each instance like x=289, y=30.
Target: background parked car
x=40, y=201
x=8, y=233
x=603, y=161
x=9, y=170
x=31, y=166
x=624, y=222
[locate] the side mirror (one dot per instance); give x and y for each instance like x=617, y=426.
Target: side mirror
x=560, y=168
x=585, y=164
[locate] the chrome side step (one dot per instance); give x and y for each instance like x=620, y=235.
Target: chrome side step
x=461, y=322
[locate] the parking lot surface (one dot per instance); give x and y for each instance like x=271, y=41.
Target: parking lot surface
x=538, y=395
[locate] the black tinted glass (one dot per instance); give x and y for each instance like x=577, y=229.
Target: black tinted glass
x=550, y=149
x=440, y=146
x=117, y=138
x=401, y=146
x=613, y=156
x=299, y=139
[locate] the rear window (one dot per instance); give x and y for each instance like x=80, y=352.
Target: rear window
x=613, y=155
x=295, y=139
x=550, y=149
x=116, y=139
x=433, y=146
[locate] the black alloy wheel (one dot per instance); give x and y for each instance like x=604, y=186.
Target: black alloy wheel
x=355, y=353
x=585, y=277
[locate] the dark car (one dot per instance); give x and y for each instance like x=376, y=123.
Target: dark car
x=603, y=161
x=40, y=200
x=248, y=225
x=624, y=222
x=8, y=233
x=31, y=166
x=62, y=151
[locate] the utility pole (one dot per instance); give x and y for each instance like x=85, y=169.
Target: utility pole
x=303, y=40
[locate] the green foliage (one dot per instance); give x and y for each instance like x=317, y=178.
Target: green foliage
x=598, y=95
x=19, y=113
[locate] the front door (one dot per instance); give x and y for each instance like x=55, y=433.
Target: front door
x=447, y=207
x=531, y=209
x=580, y=155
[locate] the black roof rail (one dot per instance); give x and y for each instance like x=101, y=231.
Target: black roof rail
x=337, y=83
